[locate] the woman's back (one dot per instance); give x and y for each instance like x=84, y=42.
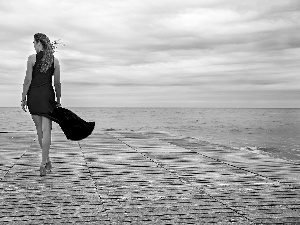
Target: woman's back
x=40, y=78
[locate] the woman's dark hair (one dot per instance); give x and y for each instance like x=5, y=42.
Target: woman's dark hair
x=48, y=50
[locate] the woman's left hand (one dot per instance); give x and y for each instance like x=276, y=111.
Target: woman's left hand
x=24, y=105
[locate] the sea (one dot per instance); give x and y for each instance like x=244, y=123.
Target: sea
x=274, y=132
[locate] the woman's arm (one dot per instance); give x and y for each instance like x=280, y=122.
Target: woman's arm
x=57, y=83
x=28, y=77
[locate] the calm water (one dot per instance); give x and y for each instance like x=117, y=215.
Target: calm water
x=266, y=131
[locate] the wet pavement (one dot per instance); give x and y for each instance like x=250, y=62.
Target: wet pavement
x=145, y=177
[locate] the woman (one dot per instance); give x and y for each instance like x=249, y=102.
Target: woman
x=40, y=94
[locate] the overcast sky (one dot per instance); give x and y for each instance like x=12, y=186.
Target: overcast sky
x=164, y=53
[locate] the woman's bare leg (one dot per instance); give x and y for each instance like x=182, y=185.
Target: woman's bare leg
x=46, y=140
x=38, y=125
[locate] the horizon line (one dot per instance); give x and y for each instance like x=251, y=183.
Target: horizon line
x=188, y=107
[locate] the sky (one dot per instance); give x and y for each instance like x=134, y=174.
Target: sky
x=166, y=53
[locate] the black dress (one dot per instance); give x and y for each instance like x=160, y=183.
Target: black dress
x=41, y=101
x=40, y=96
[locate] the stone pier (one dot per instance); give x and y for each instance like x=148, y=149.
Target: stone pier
x=143, y=177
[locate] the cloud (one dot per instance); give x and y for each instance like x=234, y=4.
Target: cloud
x=168, y=49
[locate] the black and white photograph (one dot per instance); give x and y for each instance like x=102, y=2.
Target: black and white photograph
x=150, y=112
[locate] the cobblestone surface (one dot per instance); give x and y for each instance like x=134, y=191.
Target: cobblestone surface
x=121, y=177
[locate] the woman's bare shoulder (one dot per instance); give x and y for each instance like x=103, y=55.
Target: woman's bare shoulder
x=56, y=62
x=32, y=59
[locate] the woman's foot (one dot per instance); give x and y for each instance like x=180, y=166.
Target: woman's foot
x=43, y=169
x=48, y=165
